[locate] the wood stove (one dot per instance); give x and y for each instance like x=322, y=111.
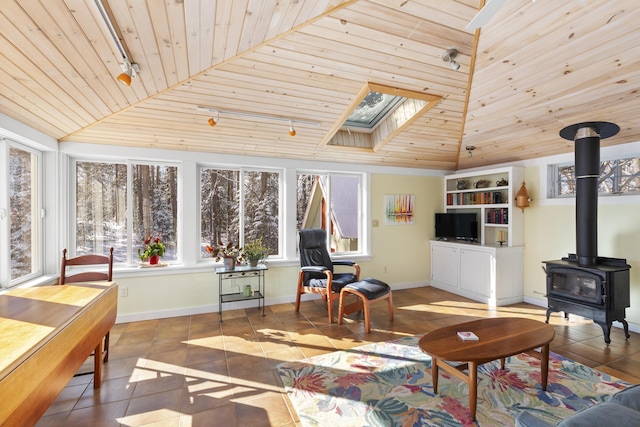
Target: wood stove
x=600, y=292
x=584, y=283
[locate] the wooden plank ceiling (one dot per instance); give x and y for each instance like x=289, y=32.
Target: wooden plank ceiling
x=533, y=69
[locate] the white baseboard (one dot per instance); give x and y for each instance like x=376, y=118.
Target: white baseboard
x=190, y=311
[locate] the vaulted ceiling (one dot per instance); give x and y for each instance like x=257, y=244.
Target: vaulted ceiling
x=534, y=68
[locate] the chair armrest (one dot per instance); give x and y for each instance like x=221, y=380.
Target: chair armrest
x=343, y=262
x=314, y=269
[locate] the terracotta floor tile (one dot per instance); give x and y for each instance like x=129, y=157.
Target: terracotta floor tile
x=153, y=408
x=67, y=399
x=267, y=409
x=54, y=420
x=105, y=415
x=192, y=370
x=119, y=389
x=223, y=416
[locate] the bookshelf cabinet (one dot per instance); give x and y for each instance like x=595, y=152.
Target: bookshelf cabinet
x=485, y=271
x=491, y=194
x=491, y=275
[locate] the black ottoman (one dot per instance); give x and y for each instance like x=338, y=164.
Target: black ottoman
x=368, y=291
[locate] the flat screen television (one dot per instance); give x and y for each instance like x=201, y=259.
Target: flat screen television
x=457, y=226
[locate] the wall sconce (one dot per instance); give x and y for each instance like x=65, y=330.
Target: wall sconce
x=470, y=149
x=292, y=131
x=522, y=198
x=449, y=57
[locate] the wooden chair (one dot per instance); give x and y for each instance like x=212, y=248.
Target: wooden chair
x=88, y=276
x=317, y=274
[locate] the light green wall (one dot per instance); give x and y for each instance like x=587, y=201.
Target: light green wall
x=550, y=234
x=403, y=249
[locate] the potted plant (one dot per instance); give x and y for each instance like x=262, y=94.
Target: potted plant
x=255, y=251
x=153, y=251
x=229, y=253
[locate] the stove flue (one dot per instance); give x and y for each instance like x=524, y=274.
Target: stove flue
x=584, y=283
x=586, y=137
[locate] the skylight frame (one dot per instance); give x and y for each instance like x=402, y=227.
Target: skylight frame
x=370, y=121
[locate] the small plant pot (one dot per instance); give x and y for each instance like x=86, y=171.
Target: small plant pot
x=154, y=259
x=253, y=263
x=229, y=263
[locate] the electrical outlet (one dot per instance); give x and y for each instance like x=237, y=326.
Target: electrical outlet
x=124, y=291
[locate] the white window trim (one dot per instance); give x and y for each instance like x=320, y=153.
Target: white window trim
x=609, y=153
x=38, y=215
x=69, y=237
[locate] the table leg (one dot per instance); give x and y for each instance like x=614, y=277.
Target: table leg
x=544, y=365
x=434, y=373
x=473, y=388
x=97, y=365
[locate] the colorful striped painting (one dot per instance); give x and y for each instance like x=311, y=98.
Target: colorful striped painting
x=399, y=209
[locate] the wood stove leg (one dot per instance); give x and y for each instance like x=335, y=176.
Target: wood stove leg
x=549, y=311
x=626, y=328
x=566, y=316
x=606, y=329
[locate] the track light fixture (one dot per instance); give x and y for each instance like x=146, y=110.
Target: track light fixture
x=449, y=57
x=129, y=68
x=470, y=149
x=212, y=122
x=230, y=113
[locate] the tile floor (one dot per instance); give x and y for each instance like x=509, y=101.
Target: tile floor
x=195, y=371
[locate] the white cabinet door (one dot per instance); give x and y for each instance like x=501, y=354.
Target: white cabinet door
x=445, y=264
x=477, y=271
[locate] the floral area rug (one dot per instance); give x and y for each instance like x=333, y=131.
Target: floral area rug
x=389, y=384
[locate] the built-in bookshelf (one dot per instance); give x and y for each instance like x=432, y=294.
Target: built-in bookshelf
x=490, y=193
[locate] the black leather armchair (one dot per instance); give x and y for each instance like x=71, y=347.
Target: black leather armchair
x=317, y=274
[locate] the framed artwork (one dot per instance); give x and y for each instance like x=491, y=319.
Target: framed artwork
x=399, y=209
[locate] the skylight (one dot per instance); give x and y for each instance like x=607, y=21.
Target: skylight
x=373, y=108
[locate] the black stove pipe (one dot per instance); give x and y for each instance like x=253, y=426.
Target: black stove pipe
x=587, y=171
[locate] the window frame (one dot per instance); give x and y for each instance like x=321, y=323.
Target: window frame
x=280, y=255
x=361, y=215
x=37, y=253
x=553, y=179
x=131, y=255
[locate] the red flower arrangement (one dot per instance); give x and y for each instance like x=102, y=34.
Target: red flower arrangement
x=154, y=249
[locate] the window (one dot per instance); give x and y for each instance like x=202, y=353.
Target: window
x=107, y=192
x=621, y=176
x=373, y=108
x=234, y=213
x=21, y=191
x=261, y=193
x=331, y=202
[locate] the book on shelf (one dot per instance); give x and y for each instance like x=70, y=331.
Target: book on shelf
x=474, y=198
x=467, y=336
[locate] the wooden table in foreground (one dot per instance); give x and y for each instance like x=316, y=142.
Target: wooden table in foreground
x=498, y=338
x=46, y=334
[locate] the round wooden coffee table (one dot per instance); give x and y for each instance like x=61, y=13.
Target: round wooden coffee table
x=498, y=339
